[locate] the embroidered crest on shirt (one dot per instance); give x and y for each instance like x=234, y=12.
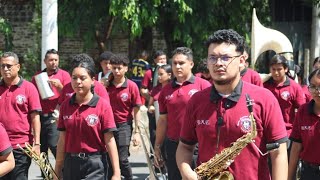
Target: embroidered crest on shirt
x=305, y=128
x=20, y=99
x=203, y=122
x=92, y=120
x=192, y=92
x=69, y=94
x=285, y=95
x=245, y=124
x=124, y=96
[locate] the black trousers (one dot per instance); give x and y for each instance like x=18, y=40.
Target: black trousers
x=171, y=163
x=88, y=167
x=20, y=171
x=152, y=127
x=49, y=134
x=123, y=138
x=309, y=172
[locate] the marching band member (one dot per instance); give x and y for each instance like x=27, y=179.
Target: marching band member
x=305, y=134
x=172, y=102
x=289, y=93
x=218, y=116
x=125, y=99
x=104, y=61
x=19, y=113
x=6, y=156
x=86, y=126
x=58, y=78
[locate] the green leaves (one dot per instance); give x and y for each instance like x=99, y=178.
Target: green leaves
x=6, y=30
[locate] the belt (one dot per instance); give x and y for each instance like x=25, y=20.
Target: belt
x=311, y=166
x=84, y=155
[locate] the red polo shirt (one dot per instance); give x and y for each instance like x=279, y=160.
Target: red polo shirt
x=85, y=125
x=173, y=100
x=17, y=102
x=306, y=93
x=99, y=89
x=251, y=76
x=155, y=92
x=306, y=130
x=123, y=99
x=200, y=126
x=48, y=105
x=147, y=80
x=5, y=145
x=290, y=97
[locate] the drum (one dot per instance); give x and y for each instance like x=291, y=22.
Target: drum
x=44, y=88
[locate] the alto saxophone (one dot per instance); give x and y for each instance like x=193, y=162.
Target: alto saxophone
x=41, y=160
x=214, y=168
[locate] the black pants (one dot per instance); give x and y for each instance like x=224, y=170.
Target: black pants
x=171, y=163
x=123, y=138
x=89, y=167
x=49, y=135
x=20, y=171
x=152, y=127
x=309, y=173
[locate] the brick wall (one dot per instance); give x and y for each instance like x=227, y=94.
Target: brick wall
x=20, y=14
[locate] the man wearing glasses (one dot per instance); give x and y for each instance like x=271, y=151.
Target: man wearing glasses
x=19, y=113
x=58, y=78
x=216, y=117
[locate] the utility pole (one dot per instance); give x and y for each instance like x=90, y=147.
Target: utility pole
x=49, y=27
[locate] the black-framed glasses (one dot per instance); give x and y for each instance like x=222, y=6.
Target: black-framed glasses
x=313, y=89
x=8, y=66
x=224, y=59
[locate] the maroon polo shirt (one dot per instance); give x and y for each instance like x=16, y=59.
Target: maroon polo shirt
x=173, y=100
x=251, y=76
x=306, y=132
x=17, y=102
x=290, y=97
x=48, y=105
x=201, y=124
x=123, y=99
x=147, y=79
x=5, y=145
x=306, y=93
x=155, y=92
x=67, y=91
x=85, y=125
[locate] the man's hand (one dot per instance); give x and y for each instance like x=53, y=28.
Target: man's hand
x=151, y=109
x=158, y=161
x=136, y=139
x=36, y=149
x=56, y=83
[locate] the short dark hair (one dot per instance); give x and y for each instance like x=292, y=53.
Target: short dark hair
x=10, y=54
x=279, y=59
x=184, y=51
x=119, y=59
x=202, y=66
x=228, y=36
x=158, y=53
x=51, y=51
x=85, y=61
x=105, y=56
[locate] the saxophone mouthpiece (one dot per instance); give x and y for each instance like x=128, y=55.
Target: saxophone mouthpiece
x=249, y=103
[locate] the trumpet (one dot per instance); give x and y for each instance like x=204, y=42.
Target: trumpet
x=41, y=160
x=153, y=174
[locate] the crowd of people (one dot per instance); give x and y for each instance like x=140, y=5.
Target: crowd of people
x=90, y=121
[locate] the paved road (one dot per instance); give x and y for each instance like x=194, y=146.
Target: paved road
x=137, y=159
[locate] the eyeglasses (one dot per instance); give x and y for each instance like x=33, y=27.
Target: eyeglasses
x=8, y=66
x=224, y=59
x=313, y=89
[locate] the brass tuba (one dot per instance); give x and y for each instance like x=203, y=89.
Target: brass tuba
x=264, y=39
x=215, y=167
x=41, y=160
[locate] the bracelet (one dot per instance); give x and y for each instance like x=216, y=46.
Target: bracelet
x=37, y=145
